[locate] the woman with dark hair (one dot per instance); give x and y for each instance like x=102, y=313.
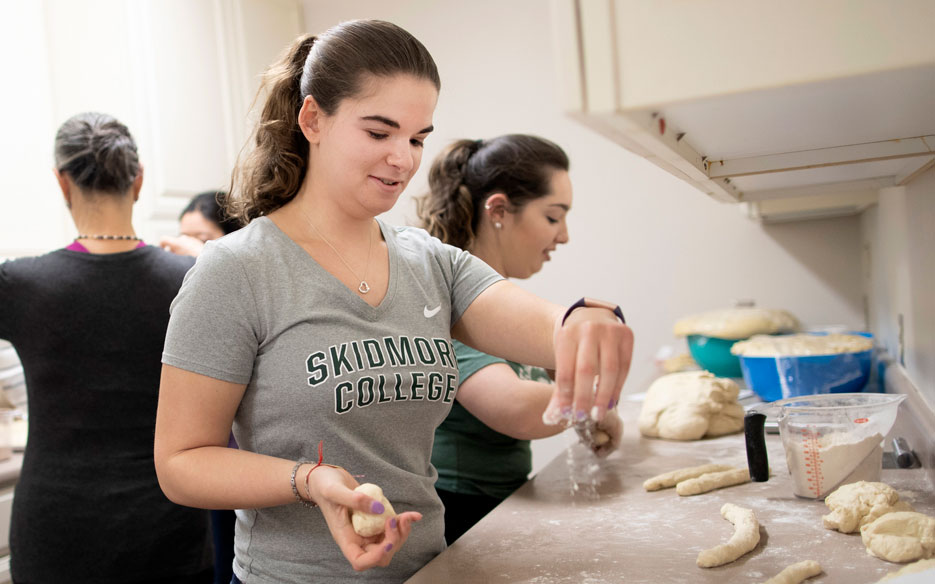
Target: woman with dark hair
x=202, y=220
x=89, y=322
x=505, y=200
x=324, y=335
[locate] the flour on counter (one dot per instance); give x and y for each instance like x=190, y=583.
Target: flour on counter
x=819, y=465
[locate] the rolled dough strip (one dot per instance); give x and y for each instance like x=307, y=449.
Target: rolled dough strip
x=674, y=477
x=713, y=480
x=746, y=536
x=796, y=573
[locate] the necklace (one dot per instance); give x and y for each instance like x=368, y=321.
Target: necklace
x=364, y=287
x=109, y=237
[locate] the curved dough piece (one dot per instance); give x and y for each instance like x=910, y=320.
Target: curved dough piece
x=913, y=568
x=674, y=477
x=746, y=536
x=902, y=536
x=368, y=524
x=857, y=504
x=796, y=573
x=713, y=480
x=689, y=406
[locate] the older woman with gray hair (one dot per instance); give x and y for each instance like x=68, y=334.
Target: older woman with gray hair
x=89, y=322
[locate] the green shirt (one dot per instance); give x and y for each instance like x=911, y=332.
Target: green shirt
x=471, y=458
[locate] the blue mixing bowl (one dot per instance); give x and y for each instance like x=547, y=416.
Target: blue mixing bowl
x=774, y=378
x=713, y=354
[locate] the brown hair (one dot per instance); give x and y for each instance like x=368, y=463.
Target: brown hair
x=97, y=152
x=467, y=172
x=330, y=67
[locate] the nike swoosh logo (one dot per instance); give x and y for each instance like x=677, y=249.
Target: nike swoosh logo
x=430, y=313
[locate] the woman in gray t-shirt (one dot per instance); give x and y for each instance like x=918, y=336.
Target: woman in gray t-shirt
x=323, y=334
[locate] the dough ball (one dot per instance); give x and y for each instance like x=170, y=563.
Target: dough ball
x=368, y=524
x=737, y=323
x=691, y=405
x=857, y=504
x=901, y=536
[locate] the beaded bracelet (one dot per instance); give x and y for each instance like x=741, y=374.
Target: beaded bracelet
x=295, y=491
x=308, y=492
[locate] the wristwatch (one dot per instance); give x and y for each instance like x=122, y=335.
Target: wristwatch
x=594, y=303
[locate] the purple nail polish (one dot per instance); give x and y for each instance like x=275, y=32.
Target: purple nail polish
x=388, y=547
x=393, y=523
x=610, y=406
x=581, y=415
x=566, y=411
x=376, y=508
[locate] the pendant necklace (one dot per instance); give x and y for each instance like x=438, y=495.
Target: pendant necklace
x=364, y=287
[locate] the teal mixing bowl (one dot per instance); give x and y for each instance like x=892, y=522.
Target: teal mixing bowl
x=713, y=354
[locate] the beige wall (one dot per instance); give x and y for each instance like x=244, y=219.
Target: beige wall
x=638, y=236
x=898, y=242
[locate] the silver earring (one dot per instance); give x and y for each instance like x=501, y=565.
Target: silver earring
x=487, y=206
x=497, y=224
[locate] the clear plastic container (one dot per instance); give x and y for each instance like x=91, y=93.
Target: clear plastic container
x=835, y=439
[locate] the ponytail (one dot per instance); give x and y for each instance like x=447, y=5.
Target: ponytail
x=447, y=210
x=270, y=175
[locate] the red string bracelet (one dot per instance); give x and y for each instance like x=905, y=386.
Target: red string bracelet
x=308, y=492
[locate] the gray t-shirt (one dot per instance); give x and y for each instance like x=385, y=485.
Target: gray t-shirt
x=321, y=364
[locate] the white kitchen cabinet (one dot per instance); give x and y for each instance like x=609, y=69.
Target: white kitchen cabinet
x=799, y=109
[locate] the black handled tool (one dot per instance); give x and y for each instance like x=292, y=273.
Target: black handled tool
x=757, y=459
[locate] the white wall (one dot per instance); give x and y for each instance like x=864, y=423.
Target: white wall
x=639, y=236
x=180, y=74
x=898, y=242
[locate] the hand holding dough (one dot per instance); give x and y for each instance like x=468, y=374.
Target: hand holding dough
x=713, y=480
x=368, y=524
x=672, y=478
x=857, y=504
x=796, y=573
x=746, y=536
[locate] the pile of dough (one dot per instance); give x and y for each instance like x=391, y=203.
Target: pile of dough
x=857, y=504
x=801, y=345
x=746, y=536
x=796, y=573
x=913, y=568
x=901, y=536
x=737, y=323
x=691, y=405
x=368, y=524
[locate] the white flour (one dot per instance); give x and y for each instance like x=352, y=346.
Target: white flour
x=820, y=464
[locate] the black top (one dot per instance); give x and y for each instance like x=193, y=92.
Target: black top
x=89, y=330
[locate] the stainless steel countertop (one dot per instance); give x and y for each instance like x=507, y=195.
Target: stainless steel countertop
x=588, y=521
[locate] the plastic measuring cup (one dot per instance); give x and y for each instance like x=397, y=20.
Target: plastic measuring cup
x=833, y=439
